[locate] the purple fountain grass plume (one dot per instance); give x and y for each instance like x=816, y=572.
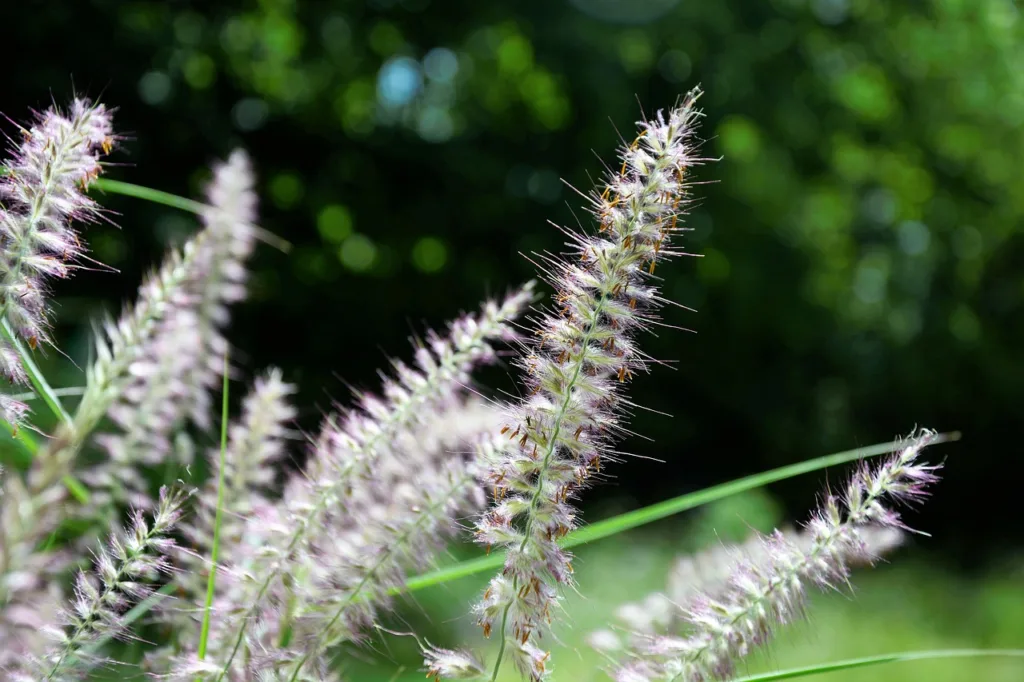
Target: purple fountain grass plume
x=120, y=344
x=349, y=447
x=175, y=370
x=124, y=571
x=230, y=222
x=708, y=573
x=451, y=664
x=12, y=410
x=398, y=520
x=768, y=590
x=42, y=191
x=577, y=372
x=29, y=595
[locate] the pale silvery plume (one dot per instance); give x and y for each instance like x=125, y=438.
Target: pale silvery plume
x=180, y=363
x=349, y=446
x=41, y=194
x=767, y=591
x=708, y=573
x=124, y=571
x=576, y=375
x=397, y=520
x=451, y=664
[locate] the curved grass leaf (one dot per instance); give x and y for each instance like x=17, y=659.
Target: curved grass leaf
x=157, y=196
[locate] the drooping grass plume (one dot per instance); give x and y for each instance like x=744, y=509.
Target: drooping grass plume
x=767, y=590
x=577, y=371
x=708, y=573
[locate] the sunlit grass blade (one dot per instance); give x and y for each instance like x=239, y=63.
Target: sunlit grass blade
x=39, y=382
x=661, y=510
x=900, y=657
x=157, y=196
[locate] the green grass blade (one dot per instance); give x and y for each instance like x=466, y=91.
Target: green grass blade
x=52, y=400
x=23, y=437
x=35, y=375
x=900, y=657
x=157, y=196
x=661, y=510
x=204, y=634
x=148, y=194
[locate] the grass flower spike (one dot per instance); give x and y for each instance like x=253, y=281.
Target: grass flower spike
x=41, y=194
x=708, y=574
x=348, y=450
x=173, y=374
x=256, y=444
x=42, y=191
x=124, y=568
x=768, y=590
x=286, y=567
x=585, y=355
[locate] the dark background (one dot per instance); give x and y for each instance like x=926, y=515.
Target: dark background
x=861, y=242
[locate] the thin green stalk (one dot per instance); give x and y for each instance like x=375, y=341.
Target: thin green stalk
x=900, y=657
x=148, y=194
x=204, y=634
x=660, y=510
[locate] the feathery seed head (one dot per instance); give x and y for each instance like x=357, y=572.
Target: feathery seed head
x=765, y=588
x=174, y=369
x=559, y=436
x=347, y=526
x=42, y=193
x=123, y=571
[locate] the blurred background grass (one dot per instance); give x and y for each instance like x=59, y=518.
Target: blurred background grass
x=861, y=242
